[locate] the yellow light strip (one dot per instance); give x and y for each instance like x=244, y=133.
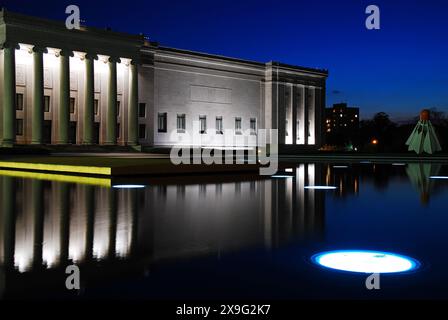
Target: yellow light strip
x=56, y=167
x=103, y=182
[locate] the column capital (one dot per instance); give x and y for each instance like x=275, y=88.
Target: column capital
x=39, y=49
x=66, y=53
x=114, y=60
x=135, y=62
x=90, y=56
x=8, y=44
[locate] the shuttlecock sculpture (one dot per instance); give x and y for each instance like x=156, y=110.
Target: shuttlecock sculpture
x=423, y=138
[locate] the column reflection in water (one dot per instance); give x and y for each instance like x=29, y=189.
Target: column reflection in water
x=50, y=224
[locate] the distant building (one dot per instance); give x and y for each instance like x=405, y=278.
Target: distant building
x=342, y=125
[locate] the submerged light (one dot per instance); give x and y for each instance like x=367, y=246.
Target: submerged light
x=280, y=176
x=438, y=177
x=128, y=186
x=365, y=261
x=321, y=187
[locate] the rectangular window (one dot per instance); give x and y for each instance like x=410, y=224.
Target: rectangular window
x=118, y=130
x=253, y=126
x=118, y=108
x=238, y=125
x=46, y=103
x=96, y=106
x=142, y=110
x=72, y=105
x=219, y=125
x=202, y=124
x=19, y=127
x=19, y=101
x=162, y=119
x=142, y=131
x=181, y=123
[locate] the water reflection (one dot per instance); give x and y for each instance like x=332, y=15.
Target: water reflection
x=419, y=174
x=48, y=224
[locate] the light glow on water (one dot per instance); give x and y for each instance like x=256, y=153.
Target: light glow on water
x=321, y=187
x=279, y=176
x=129, y=186
x=340, y=167
x=365, y=261
x=439, y=177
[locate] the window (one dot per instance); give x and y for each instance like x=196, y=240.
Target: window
x=162, y=122
x=181, y=123
x=253, y=126
x=142, y=131
x=72, y=105
x=202, y=124
x=219, y=125
x=19, y=127
x=142, y=110
x=96, y=106
x=118, y=108
x=118, y=130
x=238, y=125
x=19, y=101
x=46, y=103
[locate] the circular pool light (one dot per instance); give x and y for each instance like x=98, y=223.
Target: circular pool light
x=128, y=186
x=321, y=187
x=439, y=177
x=365, y=261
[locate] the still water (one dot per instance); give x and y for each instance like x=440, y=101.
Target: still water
x=223, y=236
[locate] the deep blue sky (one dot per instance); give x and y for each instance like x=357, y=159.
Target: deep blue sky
x=399, y=69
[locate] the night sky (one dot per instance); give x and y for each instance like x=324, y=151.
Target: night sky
x=399, y=69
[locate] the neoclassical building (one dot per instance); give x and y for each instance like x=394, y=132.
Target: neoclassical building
x=93, y=86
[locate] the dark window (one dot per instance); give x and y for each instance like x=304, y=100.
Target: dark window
x=181, y=123
x=162, y=119
x=118, y=130
x=202, y=124
x=96, y=106
x=72, y=105
x=142, y=110
x=219, y=125
x=19, y=101
x=238, y=125
x=46, y=103
x=19, y=127
x=118, y=108
x=142, y=131
x=253, y=126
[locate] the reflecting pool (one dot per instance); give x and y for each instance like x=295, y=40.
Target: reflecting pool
x=225, y=236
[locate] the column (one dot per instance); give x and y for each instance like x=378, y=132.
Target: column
x=133, y=105
x=9, y=93
x=294, y=113
x=37, y=122
x=89, y=95
x=64, y=95
x=111, y=122
x=306, y=108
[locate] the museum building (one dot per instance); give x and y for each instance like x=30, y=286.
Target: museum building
x=100, y=87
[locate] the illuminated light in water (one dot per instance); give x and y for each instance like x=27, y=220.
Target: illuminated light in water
x=340, y=167
x=288, y=170
x=365, y=261
x=321, y=187
x=399, y=164
x=365, y=162
x=129, y=186
x=279, y=176
x=439, y=177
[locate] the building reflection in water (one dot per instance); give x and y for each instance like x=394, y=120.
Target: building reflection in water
x=48, y=224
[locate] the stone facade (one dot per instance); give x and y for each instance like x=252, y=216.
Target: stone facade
x=93, y=86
